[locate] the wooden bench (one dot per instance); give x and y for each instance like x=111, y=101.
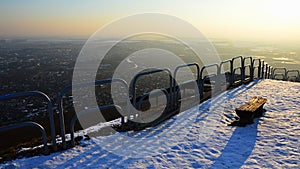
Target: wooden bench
x=249, y=111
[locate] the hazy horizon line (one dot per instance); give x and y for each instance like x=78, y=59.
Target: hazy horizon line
x=212, y=39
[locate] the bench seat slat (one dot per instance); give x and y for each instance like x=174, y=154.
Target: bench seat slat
x=253, y=104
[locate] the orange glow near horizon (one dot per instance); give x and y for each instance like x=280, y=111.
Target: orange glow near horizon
x=273, y=20
x=75, y=26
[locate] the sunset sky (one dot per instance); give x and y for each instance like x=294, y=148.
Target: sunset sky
x=272, y=20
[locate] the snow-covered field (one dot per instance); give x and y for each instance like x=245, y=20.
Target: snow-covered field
x=198, y=138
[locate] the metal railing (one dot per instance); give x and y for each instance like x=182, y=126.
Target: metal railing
x=257, y=69
x=29, y=124
x=277, y=72
x=250, y=66
x=33, y=124
x=296, y=77
x=228, y=79
x=234, y=69
x=285, y=74
x=176, y=88
x=207, y=78
x=68, y=88
x=154, y=71
x=262, y=69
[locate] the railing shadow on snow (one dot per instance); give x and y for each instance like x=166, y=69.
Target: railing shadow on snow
x=228, y=154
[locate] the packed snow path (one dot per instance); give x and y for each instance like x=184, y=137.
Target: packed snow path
x=197, y=138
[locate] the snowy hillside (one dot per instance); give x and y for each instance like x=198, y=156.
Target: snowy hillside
x=198, y=138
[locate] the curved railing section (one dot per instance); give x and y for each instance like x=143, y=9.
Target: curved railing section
x=296, y=75
x=234, y=69
x=248, y=77
x=281, y=72
x=154, y=71
x=29, y=124
x=258, y=67
x=207, y=78
x=84, y=84
x=227, y=73
x=49, y=110
x=176, y=87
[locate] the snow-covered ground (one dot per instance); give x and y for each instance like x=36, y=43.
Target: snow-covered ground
x=198, y=138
